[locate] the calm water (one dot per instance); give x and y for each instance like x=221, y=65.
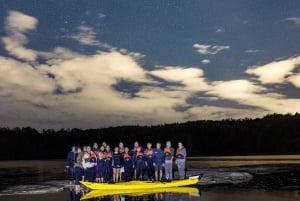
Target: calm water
x=275, y=178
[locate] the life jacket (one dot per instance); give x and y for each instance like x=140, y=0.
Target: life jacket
x=167, y=150
x=91, y=158
x=92, y=155
x=149, y=152
x=179, y=154
x=103, y=155
x=122, y=150
x=96, y=151
x=126, y=155
x=139, y=154
x=108, y=155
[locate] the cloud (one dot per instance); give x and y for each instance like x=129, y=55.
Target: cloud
x=209, y=49
x=16, y=25
x=295, y=80
x=87, y=36
x=205, y=61
x=71, y=89
x=191, y=78
x=295, y=20
x=252, y=51
x=219, y=30
x=274, y=72
x=249, y=94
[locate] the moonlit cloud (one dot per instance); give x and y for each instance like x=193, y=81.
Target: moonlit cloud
x=295, y=80
x=191, y=78
x=205, y=61
x=209, y=49
x=295, y=20
x=87, y=36
x=250, y=51
x=275, y=72
x=72, y=89
x=16, y=25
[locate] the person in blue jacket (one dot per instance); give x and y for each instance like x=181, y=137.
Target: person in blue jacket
x=127, y=164
x=117, y=161
x=108, y=164
x=71, y=158
x=139, y=163
x=101, y=164
x=158, y=162
x=148, y=153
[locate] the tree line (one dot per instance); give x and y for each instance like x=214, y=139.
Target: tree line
x=272, y=134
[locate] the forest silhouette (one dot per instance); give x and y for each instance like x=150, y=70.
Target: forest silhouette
x=272, y=134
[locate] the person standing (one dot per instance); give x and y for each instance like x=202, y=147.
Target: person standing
x=108, y=164
x=89, y=163
x=78, y=168
x=116, y=164
x=169, y=154
x=139, y=163
x=149, y=161
x=133, y=153
x=158, y=161
x=121, y=150
x=128, y=164
x=71, y=158
x=101, y=164
x=181, y=159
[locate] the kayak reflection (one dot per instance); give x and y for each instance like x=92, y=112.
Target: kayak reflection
x=165, y=194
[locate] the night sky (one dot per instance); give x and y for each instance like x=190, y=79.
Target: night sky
x=100, y=63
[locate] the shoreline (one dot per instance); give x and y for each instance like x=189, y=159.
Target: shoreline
x=192, y=162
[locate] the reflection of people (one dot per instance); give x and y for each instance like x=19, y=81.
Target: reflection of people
x=169, y=153
x=149, y=161
x=158, y=161
x=180, y=160
x=75, y=195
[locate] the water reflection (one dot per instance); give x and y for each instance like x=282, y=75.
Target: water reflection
x=167, y=194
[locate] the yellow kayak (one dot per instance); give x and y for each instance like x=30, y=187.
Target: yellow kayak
x=141, y=184
x=140, y=192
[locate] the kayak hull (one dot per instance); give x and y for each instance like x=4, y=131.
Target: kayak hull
x=141, y=184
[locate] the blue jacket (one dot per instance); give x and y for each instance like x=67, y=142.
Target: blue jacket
x=158, y=156
x=117, y=159
x=71, y=159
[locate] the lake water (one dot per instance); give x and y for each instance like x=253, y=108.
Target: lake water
x=259, y=178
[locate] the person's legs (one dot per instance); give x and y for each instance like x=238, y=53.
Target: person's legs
x=168, y=170
x=117, y=174
x=181, y=168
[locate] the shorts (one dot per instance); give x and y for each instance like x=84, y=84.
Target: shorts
x=158, y=167
x=116, y=166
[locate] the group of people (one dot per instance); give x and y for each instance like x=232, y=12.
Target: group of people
x=102, y=164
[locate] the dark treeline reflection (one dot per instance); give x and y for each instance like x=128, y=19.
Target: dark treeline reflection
x=273, y=134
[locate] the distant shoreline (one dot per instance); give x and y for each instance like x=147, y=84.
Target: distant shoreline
x=192, y=162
